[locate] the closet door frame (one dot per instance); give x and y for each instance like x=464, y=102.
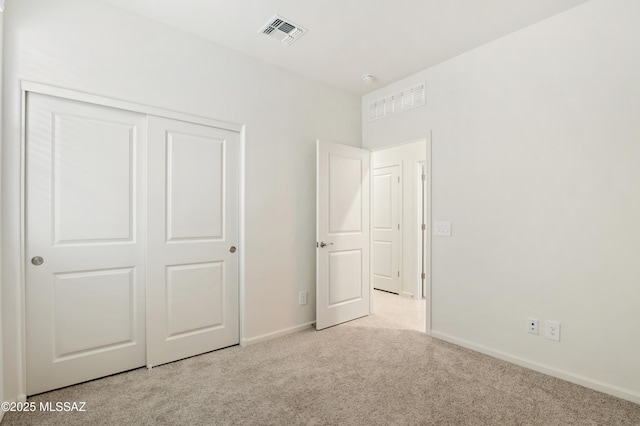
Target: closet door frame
x=32, y=87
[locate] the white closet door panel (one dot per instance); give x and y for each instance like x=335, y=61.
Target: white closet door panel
x=85, y=217
x=93, y=186
x=186, y=313
x=192, y=292
x=195, y=171
x=111, y=296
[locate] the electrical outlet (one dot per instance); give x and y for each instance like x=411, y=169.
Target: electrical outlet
x=532, y=325
x=552, y=330
x=302, y=298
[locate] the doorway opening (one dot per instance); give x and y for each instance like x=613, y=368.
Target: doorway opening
x=400, y=285
x=407, y=312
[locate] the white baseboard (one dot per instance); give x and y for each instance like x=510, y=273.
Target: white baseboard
x=273, y=335
x=616, y=391
x=19, y=398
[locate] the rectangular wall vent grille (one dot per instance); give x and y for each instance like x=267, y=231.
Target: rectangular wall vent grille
x=409, y=98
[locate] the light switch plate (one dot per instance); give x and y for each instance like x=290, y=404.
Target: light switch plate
x=442, y=229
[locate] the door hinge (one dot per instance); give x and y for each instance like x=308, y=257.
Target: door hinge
x=423, y=276
x=424, y=177
x=398, y=179
x=398, y=227
x=424, y=227
x=398, y=273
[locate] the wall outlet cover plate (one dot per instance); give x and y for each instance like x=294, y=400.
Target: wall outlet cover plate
x=552, y=330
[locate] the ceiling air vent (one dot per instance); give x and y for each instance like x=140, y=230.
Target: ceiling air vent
x=283, y=30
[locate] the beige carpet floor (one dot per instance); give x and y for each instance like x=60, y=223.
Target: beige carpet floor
x=366, y=372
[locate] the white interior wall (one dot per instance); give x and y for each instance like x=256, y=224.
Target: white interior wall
x=89, y=46
x=1, y=62
x=407, y=156
x=535, y=161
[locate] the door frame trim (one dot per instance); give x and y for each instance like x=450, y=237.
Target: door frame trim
x=28, y=86
x=43, y=89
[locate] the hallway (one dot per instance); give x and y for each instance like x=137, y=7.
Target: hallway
x=409, y=313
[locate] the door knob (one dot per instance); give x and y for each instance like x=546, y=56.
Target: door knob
x=232, y=249
x=323, y=244
x=37, y=261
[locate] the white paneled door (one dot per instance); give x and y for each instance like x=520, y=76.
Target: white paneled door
x=385, y=256
x=342, y=259
x=85, y=233
x=192, y=240
x=132, y=225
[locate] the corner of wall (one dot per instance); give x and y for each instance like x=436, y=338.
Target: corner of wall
x=1, y=109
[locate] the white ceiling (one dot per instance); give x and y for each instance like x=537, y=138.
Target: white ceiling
x=348, y=38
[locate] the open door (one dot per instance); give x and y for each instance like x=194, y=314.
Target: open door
x=342, y=231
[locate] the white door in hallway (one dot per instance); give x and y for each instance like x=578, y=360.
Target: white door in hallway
x=342, y=229
x=85, y=233
x=385, y=256
x=192, y=290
